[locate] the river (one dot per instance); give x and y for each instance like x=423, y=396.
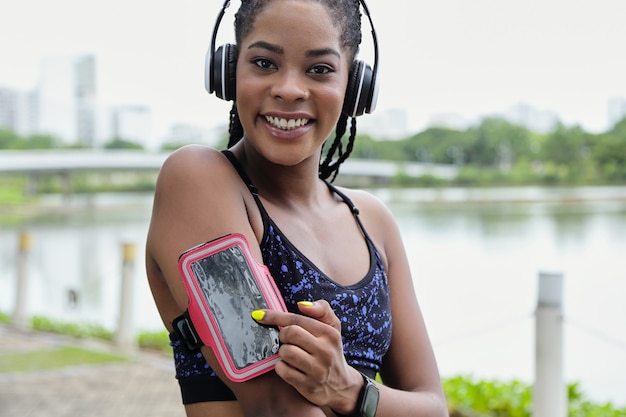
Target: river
x=475, y=256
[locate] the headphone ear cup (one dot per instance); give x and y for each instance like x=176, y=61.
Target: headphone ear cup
x=221, y=72
x=361, y=92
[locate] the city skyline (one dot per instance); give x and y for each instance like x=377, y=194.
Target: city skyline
x=464, y=60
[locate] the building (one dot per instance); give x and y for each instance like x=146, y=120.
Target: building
x=133, y=124
x=385, y=124
x=66, y=99
x=535, y=120
x=183, y=134
x=18, y=111
x=8, y=108
x=63, y=104
x=616, y=110
x=86, y=99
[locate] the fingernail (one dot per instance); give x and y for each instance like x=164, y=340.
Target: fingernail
x=258, y=315
x=305, y=303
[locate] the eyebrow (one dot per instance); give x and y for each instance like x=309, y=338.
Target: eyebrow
x=278, y=50
x=266, y=45
x=322, y=52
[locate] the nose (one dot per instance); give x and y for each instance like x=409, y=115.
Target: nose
x=290, y=86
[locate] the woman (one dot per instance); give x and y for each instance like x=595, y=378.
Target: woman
x=342, y=271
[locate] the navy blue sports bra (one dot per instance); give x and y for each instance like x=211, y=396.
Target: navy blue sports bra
x=363, y=308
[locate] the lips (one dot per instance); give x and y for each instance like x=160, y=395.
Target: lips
x=286, y=124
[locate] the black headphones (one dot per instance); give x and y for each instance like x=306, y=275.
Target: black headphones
x=221, y=64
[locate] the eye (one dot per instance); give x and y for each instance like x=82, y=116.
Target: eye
x=264, y=63
x=321, y=69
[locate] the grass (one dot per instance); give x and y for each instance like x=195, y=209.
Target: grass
x=56, y=358
x=78, y=330
x=14, y=361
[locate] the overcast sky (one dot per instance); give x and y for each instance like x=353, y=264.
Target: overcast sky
x=465, y=57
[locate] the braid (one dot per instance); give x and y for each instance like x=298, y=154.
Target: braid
x=340, y=130
x=235, y=129
x=329, y=168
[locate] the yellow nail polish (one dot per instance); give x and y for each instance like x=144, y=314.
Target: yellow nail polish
x=258, y=315
x=305, y=303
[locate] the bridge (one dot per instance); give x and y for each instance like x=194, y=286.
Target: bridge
x=65, y=162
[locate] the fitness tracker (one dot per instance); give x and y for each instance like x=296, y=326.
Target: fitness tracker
x=367, y=402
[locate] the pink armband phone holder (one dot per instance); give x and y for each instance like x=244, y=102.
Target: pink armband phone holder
x=225, y=284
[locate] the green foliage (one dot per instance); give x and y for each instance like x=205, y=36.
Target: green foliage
x=468, y=397
x=170, y=146
x=12, y=141
x=494, y=152
x=496, y=142
x=149, y=340
x=438, y=145
x=9, y=139
x=579, y=406
x=55, y=358
x=156, y=341
x=401, y=179
x=12, y=190
x=609, y=150
x=79, y=330
x=119, y=143
x=365, y=147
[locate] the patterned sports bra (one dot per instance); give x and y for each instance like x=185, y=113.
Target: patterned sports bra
x=363, y=308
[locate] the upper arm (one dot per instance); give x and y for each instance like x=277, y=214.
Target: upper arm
x=198, y=197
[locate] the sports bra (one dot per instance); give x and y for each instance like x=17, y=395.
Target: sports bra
x=363, y=308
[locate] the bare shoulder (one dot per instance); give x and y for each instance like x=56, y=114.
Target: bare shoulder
x=369, y=205
x=198, y=197
x=378, y=221
x=195, y=174
x=191, y=160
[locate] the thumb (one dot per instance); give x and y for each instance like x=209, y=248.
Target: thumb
x=321, y=311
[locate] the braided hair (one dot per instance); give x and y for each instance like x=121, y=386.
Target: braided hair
x=346, y=15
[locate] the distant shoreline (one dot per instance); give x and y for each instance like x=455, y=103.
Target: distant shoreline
x=52, y=203
x=509, y=195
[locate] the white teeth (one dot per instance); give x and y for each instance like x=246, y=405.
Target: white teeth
x=286, y=124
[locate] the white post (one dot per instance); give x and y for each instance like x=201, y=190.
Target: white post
x=125, y=336
x=549, y=391
x=19, y=319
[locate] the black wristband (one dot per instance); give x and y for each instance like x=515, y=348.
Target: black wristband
x=367, y=402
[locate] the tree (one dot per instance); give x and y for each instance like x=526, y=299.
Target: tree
x=566, y=146
x=119, y=143
x=497, y=142
x=41, y=142
x=609, y=153
x=9, y=139
x=436, y=144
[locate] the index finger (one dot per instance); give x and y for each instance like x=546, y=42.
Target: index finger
x=284, y=319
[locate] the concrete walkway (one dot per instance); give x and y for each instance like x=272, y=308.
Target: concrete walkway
x=145, y=386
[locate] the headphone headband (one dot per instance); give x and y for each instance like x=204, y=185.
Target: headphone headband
x=208, y=79
x=361, y=93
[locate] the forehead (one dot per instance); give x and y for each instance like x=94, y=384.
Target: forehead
x=284, y=22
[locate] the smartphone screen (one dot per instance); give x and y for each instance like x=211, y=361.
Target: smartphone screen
x=232, y=293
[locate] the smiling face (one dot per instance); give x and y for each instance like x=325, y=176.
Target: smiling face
x=292, y=74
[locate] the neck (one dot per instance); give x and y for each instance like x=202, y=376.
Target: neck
x=282, y=184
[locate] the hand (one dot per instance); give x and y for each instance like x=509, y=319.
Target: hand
x=312, y=358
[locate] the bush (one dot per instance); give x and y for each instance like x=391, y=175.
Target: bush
x=468, y=397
